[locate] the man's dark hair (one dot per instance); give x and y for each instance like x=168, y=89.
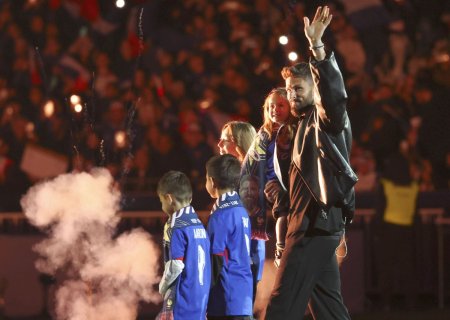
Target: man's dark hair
x=177, y=184
x=299, y=70
x=225, y=170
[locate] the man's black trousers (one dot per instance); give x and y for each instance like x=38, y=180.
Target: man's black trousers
x=308, y=270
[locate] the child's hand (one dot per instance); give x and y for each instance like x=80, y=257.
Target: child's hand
x=162, y=288
x=165, y=315
x=277, y=262
x=278, y=254
x=271, y=190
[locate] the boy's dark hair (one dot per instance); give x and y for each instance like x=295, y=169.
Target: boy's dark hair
x=225, y=170
x=177, y=184
x=299, y=70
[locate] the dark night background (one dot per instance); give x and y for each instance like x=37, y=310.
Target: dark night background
x=157, y=79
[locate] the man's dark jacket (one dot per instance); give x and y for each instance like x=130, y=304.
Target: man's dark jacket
x=322, y=147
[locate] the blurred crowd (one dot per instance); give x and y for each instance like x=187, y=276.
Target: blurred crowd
x=142, y=87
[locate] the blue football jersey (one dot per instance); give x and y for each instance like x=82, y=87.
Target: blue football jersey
x=189, y=242
x=229, y=231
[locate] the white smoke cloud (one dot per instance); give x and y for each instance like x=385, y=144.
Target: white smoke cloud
x=106, y=277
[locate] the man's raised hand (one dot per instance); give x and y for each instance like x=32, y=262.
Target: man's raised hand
x=314, y=30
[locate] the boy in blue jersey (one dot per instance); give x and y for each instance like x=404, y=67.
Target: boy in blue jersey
x=229, y=231
x=186, y=280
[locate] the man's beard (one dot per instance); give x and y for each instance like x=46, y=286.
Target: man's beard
x=249, y=203
x=299, y=108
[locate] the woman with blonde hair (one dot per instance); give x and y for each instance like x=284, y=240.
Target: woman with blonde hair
x=236, y=139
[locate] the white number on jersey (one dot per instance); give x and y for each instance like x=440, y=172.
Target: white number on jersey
x=201, y=264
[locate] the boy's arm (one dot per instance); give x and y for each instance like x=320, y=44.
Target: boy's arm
x=173, y=267
x=217, y=235
x=172, y=270
x=217, y=262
